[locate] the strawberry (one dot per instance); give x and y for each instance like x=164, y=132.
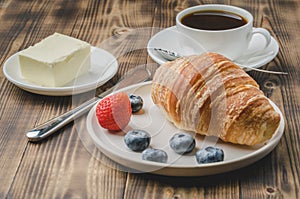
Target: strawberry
x=114, y=112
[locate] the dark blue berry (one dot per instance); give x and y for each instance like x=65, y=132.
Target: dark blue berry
x=182, y=143
x=155, y=155
x=136, y=103
x=137, y=140
x=209, y=154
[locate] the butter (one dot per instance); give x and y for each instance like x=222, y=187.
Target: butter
x=55, y=61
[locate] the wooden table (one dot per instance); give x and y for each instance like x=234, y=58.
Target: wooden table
x=62, y=167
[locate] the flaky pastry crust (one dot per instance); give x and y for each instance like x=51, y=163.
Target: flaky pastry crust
x=210, y=95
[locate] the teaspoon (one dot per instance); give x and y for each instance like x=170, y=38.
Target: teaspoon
x=171, y=55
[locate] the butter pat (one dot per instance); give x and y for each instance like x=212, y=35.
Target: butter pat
x=55, y=61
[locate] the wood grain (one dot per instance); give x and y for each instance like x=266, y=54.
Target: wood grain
x=68, y=166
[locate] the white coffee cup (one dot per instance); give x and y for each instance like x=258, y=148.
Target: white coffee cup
x=232, y=43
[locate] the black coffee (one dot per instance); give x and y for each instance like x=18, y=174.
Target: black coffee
x=213, y=20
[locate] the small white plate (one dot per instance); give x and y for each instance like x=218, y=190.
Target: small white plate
x=154, y=122
x=167, y=39
x=104, y=67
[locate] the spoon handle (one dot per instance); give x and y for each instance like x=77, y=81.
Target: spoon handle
x=261, y=70
x=171, y=55
x=46, y=129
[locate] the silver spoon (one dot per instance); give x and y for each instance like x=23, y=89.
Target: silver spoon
x=171, y=55
x=46, y=129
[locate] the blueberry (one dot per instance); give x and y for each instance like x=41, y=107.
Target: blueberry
x=155, y=155
x=209, y=154
x=137, y=140
x=182, y=143
x=136, y=103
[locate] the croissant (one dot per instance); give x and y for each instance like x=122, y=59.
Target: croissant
x=210, y=95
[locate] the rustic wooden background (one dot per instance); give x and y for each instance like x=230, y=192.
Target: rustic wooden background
x=61, y=167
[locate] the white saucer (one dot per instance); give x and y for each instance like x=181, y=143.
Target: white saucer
x=155, y=123
x=104, y=67
x=167, y=39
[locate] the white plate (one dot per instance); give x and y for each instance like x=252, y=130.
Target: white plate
x=151, y=120
x=167, y=39
x=104, y=67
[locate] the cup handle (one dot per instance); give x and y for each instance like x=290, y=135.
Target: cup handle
x=267, y=37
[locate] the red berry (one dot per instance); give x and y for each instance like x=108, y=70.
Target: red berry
x=114, y=112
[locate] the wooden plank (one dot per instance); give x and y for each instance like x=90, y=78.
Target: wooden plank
x=253, y=178
x=60, y=166
x=14, y=119
x=64, y=166
x=284, y=159
x=19, y=107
